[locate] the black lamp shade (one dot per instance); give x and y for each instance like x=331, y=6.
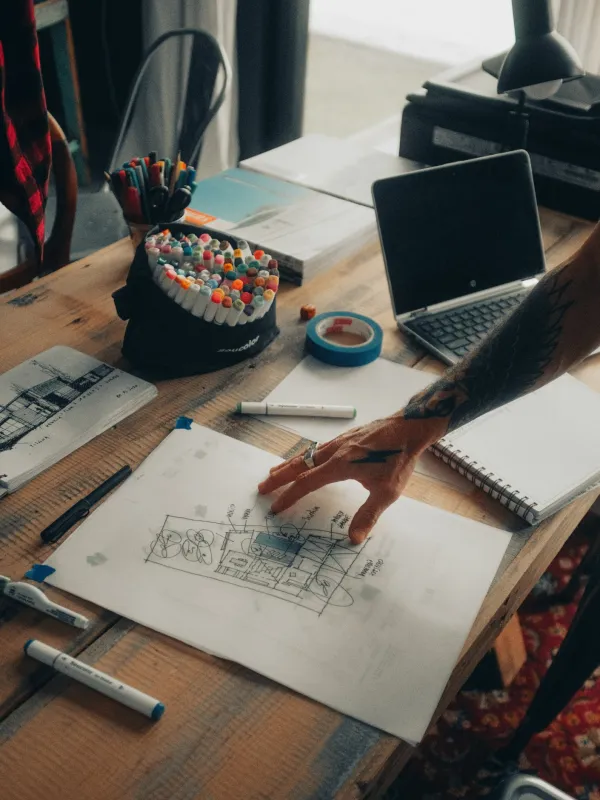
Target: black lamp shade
x=539, y=54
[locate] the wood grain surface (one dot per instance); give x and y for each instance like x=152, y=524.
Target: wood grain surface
x=227, y=732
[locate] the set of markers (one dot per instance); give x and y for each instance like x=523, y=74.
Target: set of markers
x=151, y=190
x=211, y=279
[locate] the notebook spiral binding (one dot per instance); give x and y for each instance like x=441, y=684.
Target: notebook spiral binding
x=511, y=498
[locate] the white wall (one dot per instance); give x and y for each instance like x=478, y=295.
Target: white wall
x=579, y=21
x=449, y=31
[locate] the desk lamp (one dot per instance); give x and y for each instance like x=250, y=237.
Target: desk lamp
x=539, y=61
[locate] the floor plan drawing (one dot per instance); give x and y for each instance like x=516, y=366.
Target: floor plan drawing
x=310, y=568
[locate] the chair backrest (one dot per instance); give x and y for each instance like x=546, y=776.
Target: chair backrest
x=201, y=99
x=57, y=248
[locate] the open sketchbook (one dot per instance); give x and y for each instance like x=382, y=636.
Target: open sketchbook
x=187, y=547
x=56, y=402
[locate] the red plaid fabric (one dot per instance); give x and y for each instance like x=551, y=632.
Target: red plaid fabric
x=25, y=150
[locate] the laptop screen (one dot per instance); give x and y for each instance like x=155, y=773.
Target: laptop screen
x=449, y=231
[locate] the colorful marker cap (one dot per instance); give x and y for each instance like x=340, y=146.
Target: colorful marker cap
x=246, y=298
x=259, y=281
x=237, y=284
x=227, y=302
x=258, y=254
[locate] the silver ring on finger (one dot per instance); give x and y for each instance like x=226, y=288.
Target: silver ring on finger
x=309, y=455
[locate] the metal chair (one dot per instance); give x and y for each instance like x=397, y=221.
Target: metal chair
x=99, y=219
x=58, y=246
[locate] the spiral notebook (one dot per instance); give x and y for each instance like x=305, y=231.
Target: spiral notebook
x=535, y=454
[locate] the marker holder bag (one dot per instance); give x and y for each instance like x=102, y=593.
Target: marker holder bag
x=164, y=340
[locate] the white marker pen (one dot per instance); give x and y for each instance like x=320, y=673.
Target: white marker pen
x=34, y=598
x=95, y=679
x=296, y=410
x=190, y=297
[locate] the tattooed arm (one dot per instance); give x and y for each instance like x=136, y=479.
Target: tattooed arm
x=555, y=327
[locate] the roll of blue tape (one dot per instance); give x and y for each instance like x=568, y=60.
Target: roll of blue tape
x=341, y=355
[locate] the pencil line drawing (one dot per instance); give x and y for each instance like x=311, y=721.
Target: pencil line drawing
x=308, y=567
x=32, y=407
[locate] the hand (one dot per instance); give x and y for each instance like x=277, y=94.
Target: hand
x=381, y=456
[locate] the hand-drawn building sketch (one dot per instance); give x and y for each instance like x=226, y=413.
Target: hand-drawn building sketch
x=309, y=568
x=34, y=406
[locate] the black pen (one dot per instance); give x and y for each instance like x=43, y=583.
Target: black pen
x=83, y=507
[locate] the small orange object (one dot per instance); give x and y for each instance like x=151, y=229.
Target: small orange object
x=258, y=254
x=237, y=284
x=307, y=312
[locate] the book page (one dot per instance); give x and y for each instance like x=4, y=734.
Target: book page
x=55, y=402
x=187, y=547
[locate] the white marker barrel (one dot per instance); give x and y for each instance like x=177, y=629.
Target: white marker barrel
x=100, y=681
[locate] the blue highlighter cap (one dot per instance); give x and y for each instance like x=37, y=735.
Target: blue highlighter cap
x=27, y=643
x=158, y=711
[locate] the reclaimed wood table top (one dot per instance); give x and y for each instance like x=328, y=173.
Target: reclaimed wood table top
x=227, y=732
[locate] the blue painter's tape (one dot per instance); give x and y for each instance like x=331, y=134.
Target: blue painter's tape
x=39, y=572
x=184, y=422
x=341, y=355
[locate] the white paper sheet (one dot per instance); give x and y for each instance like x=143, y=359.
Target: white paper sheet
x=375, y=390
x=187, y=547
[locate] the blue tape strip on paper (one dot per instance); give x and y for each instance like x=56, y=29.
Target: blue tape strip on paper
x=39, y=572
x=356, y=355
x=184, y=423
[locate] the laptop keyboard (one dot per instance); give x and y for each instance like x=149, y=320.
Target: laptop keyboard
x=461, y=329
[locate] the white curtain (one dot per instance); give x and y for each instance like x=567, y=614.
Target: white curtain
x=579, y=22
x=154, y=124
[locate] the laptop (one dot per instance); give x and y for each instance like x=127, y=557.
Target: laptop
x=462, y=248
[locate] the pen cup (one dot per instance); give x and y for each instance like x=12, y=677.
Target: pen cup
x=138, y=231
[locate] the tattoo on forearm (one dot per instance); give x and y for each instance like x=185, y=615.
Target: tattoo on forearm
x=511, y=362
x=376, y=457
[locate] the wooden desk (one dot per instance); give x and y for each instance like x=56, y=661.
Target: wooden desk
x=227, y=732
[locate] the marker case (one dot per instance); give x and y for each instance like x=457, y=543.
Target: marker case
x=165, y=340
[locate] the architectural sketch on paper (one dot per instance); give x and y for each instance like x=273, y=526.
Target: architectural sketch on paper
x=308, y=567
x=30, y=408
